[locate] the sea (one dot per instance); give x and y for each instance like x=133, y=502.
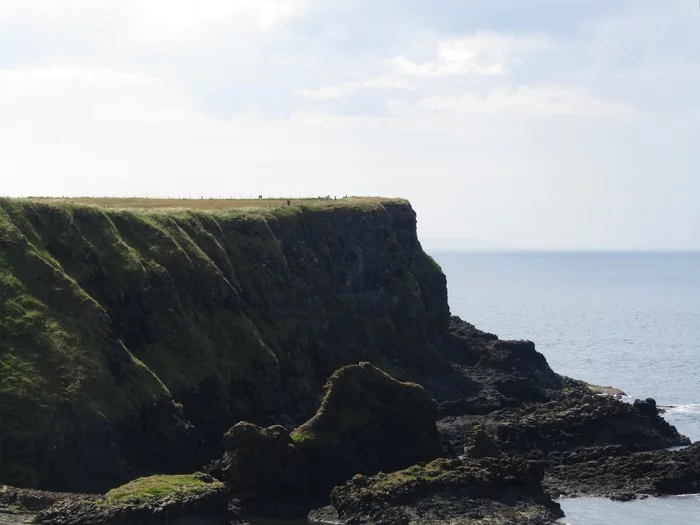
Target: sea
x=630, y=320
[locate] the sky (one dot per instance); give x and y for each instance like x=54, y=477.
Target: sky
x=546, y=123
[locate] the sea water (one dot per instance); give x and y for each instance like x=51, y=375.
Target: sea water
x=625, y=319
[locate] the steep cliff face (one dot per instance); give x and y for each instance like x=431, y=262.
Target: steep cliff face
x=131, y=340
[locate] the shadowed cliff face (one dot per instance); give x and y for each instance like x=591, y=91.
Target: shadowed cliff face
x=130, y=341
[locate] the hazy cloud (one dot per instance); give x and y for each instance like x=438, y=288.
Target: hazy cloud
x=531, y=100
x=550, y=123
x=479, y=54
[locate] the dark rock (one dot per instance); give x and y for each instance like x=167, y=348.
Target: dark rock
x=646, y=407
x=480, y=444
x=500, y=491
x=368, y=422
x=326, y=514
x=261, y=459
x=622, y=476
x=30, y=500
x=569, y=424
x=262, y=467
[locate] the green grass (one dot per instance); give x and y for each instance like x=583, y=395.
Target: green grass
x=280, y=203
x=160, y=486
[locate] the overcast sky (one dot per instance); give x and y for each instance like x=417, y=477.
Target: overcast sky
x=571, y=124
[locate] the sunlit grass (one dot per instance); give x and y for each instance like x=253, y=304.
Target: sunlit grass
x=160, y=486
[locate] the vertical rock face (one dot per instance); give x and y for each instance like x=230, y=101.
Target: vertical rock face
x=130, y=341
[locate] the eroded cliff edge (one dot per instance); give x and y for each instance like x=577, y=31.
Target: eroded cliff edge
x=131, y=340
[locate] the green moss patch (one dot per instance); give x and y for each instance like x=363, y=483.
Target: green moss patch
x=143, y=489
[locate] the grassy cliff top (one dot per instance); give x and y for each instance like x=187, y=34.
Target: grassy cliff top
x=137, y=203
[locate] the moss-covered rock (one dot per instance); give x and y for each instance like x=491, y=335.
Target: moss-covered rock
x=368, y=422
x=495, y=491
x=153, y=500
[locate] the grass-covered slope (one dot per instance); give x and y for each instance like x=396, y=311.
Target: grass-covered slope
x=132, y=338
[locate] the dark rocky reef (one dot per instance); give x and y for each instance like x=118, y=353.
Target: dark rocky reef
x=541, y=431
x=616, y=473
x=500, y=491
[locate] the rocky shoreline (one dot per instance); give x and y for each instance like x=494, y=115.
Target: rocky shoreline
x=494, y=434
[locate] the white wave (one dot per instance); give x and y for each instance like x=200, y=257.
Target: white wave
x=691, y=408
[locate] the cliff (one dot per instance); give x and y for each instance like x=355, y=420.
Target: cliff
x=131, y=339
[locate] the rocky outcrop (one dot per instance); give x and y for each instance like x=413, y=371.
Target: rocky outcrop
x=158, y=500
x=616, y=473
x=580, y=420
x=368, y=422
x=265, y=471
x=499, y=491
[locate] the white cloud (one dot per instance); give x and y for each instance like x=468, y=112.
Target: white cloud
x=531, y=100
x=349, y=88
x=65, y=92
x=478, y=54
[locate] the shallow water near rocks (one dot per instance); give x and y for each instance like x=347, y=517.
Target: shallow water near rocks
x=652, y=511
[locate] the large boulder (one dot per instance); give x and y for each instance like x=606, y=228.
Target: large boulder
x=368, y=422
x=262, y=463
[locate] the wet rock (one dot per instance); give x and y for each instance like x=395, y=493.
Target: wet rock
x=500, y=491
x=538, y=430
x=627, y=476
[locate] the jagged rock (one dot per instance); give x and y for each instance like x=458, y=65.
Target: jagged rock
x=480, y=444
x=368, y=422
x=262, y=462
x=568, y=424
x=157, y=500
x=501, y=491
x=620, y=475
